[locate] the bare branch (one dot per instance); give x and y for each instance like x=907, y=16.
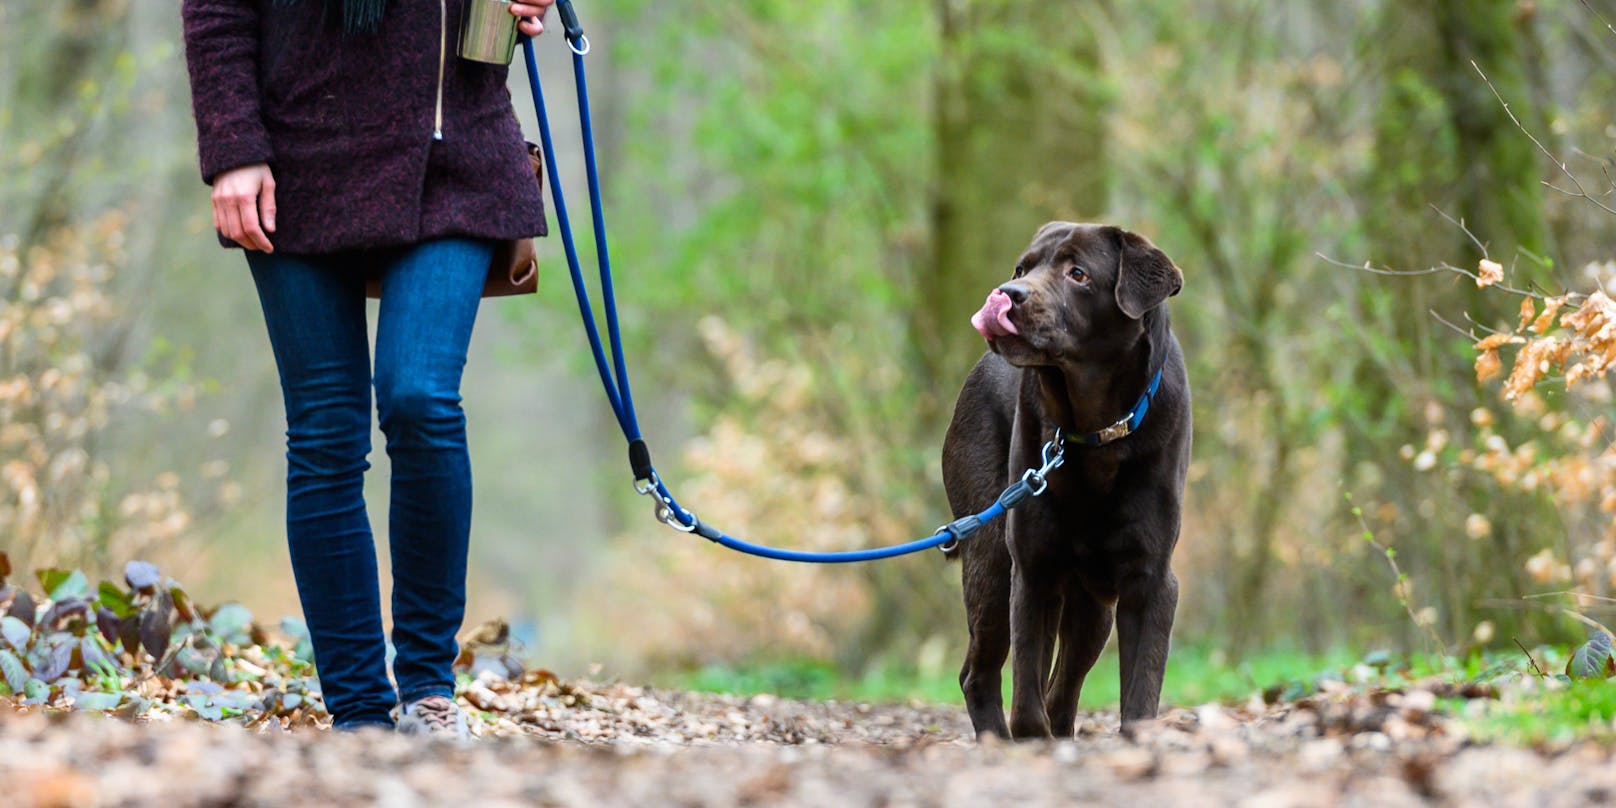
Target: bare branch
x=1529, y=658
x=1445, y=267
x=1601, y=17
x=1459, y=223
x=1558, y=163
x=1469, y=334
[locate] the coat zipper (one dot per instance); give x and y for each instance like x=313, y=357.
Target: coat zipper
x=443, y=47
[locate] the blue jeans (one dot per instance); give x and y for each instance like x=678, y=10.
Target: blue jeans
x=314, y=306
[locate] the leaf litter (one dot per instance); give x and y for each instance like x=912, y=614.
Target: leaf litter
x=218, y=709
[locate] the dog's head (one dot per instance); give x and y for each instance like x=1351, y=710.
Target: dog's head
x=1080, y=293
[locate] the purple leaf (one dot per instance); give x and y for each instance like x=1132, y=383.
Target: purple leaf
x=154, y=629
x=129, y=634
x=58, y=657
x=141, y=576
x=1593, y=660
x=107, y=622
x=61, y=615
x=23, y=608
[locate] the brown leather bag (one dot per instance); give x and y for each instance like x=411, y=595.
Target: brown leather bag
x=514, y=269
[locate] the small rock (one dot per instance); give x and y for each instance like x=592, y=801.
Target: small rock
x=1319, y=754
x=1130, y=764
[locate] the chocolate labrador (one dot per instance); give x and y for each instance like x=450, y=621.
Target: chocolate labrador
x=1077, y=339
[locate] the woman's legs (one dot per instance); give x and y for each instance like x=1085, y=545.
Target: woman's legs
x=430, y=294
x=315, y=310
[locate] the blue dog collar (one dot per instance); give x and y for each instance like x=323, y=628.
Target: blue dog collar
x=1122, y=428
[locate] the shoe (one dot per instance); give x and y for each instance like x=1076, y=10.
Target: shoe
x=436, y=716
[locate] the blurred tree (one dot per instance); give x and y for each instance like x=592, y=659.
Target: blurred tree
x=1019, y=112
x=1442, y=139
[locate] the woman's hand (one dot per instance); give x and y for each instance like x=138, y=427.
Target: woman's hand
x=244, y=206
x=530, y=14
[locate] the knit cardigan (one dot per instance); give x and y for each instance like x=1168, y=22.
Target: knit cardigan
x=374, y=140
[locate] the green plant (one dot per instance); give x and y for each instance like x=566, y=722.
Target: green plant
x=143, y=644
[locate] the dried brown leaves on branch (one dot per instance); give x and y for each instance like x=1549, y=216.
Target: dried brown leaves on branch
x=1563, y=345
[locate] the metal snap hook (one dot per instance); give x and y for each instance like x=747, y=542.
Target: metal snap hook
x=664, y=514
x=1035, y=481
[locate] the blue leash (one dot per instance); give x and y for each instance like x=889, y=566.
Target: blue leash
x=614, y=372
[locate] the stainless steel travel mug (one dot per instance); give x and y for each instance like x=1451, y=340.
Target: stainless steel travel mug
x=488, y=32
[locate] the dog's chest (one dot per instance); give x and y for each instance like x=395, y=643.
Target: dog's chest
x=1086, y=477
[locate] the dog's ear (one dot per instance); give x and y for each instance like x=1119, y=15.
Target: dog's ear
x=1145, y=275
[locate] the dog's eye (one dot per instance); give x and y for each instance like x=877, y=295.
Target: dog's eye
x=1078, y=274
x=1020, y=270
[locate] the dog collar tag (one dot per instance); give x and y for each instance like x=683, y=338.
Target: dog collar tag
x=1127, y=425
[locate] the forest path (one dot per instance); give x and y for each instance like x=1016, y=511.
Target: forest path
x=580, y=744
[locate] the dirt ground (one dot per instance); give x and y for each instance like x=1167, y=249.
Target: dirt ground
x=555, y=743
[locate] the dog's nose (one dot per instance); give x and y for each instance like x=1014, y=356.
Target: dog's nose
x=1015, y=291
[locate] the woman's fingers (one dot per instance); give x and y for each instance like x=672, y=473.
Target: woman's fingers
x=248, y=211
x=530, y=14
x=232, y=225
x=244, y=206
x=266, y=202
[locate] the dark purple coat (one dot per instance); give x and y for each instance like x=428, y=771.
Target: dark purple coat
x=374, y=139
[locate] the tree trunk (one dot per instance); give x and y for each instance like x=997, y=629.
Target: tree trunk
x=1019, y=141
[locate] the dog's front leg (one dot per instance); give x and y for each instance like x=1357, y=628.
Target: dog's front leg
x=1033, y=606
x=1145, y=608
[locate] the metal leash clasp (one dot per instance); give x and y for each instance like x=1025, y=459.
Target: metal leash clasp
x=662, y=506
x=1054, y=455
x=1032, y=483
x=665, y=515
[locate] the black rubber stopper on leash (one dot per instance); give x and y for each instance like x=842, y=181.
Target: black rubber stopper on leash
x=639, y=459
x=569, y=20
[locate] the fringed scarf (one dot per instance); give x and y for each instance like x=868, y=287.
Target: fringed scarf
x=358, y=16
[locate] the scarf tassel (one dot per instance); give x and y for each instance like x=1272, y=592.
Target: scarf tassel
x=358, y=16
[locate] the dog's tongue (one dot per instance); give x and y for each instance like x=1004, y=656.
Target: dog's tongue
x=994, y=318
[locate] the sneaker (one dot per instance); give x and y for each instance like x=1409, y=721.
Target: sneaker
x=434, y=715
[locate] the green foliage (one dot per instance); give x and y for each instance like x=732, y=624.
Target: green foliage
x=1195, y=675
x=147, y=647
x=1551, y=712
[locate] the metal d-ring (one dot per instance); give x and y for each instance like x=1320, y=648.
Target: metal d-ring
x=573, y=45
